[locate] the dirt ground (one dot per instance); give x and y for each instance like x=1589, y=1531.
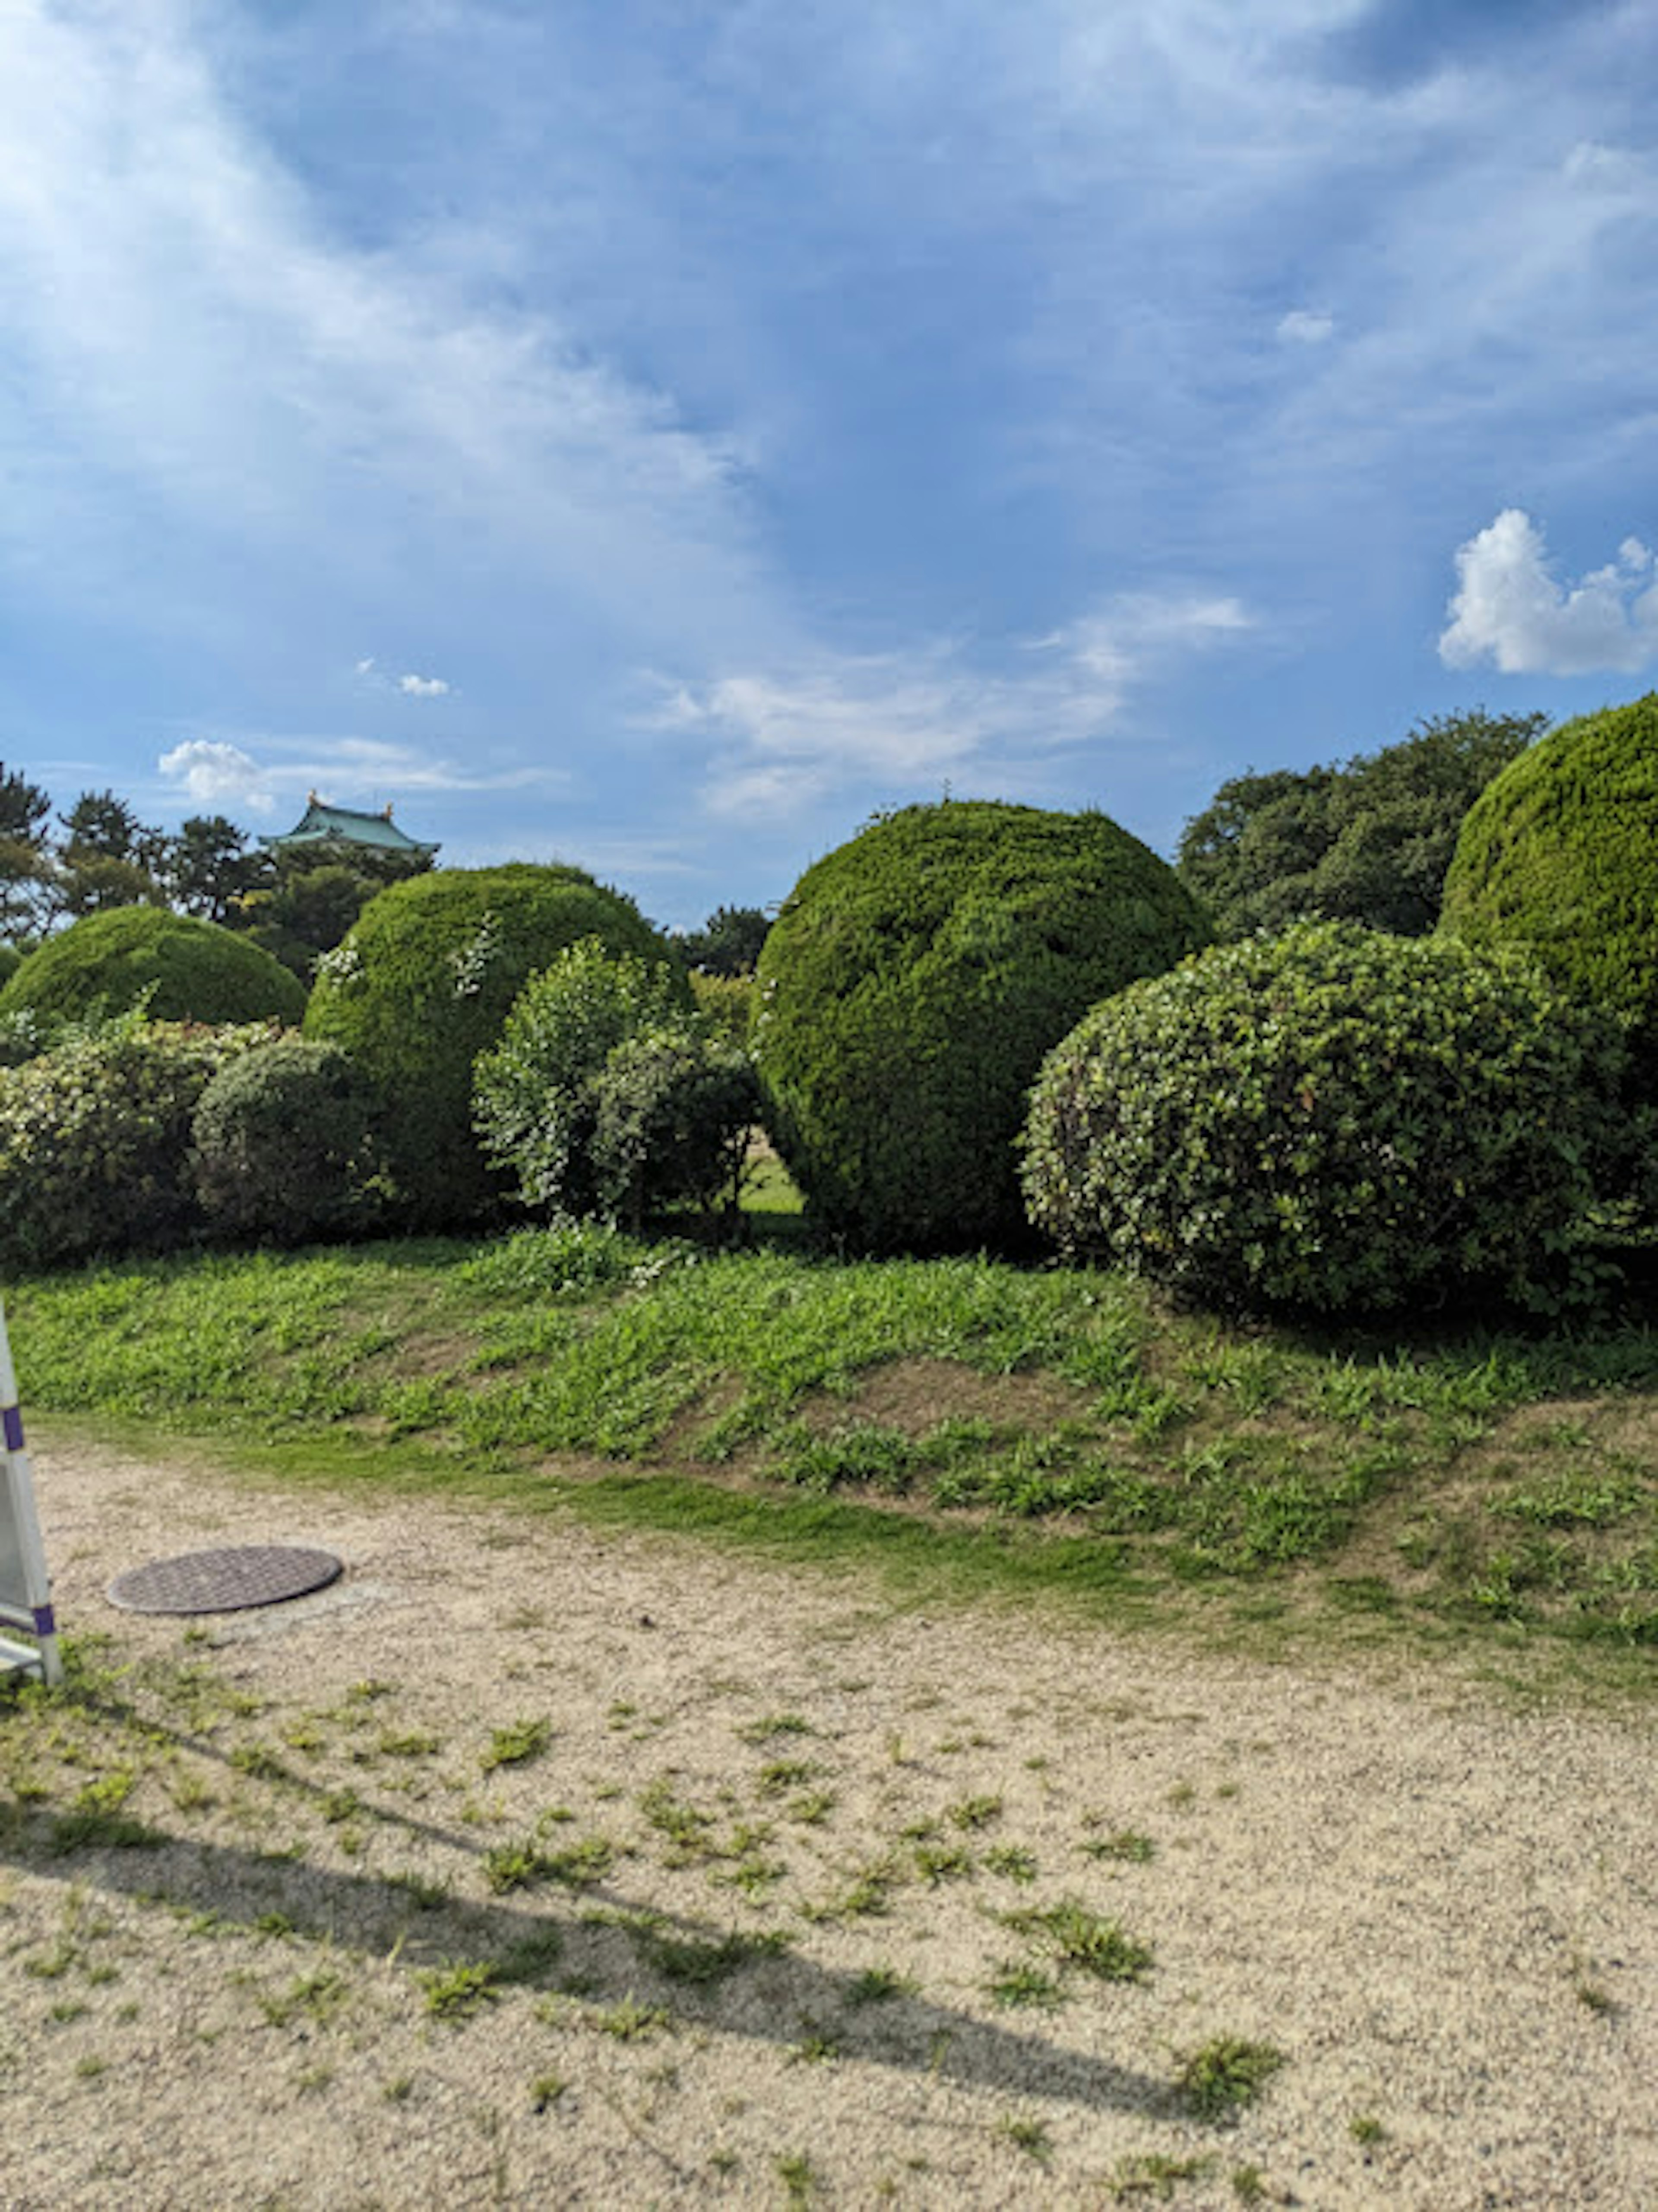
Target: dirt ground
x=526, y=1866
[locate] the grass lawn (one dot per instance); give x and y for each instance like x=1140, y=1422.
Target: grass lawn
x=955, y=1426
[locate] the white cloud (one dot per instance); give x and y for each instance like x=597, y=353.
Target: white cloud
x=1510, y=609
x=217, y=774
x=786, y=738
x=353, y=770
x=1306, y=326
x=422, y=687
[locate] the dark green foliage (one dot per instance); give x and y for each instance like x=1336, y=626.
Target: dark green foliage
x=1560, y=855
x=94, y=1140
x=908, y=990
x=673, y=1109
x=304, y=901
x=288, y=1146
x=25, y=866
x=1367, y=841
x=24, y=806
x=1336, y=1120
x=209, y=867
x=422, y=985
x=11, y=961
x=107, y=858
x=537, y=1092
x=728, y=943
x=192, y=971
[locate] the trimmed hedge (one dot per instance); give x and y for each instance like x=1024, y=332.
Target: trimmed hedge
x=288, y=1146
x=1559, y=854
x=94, y=1140
x=1334, y=1120
x=193, y=970
x=909, y=987
x=422, y=984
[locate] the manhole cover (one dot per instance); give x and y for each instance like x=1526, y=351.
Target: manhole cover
x=224, y=1581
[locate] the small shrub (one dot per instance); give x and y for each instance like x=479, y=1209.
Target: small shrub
x=181, y=970
x=538, y=1092
x=1218, y=2080
x=289, y=1146
x=672, y=1111
x=94, y=1140
x=1335, y=1119
x=909, y=987
x=422, y=985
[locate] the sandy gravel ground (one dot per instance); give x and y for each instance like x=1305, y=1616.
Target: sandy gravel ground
x=744, y=1927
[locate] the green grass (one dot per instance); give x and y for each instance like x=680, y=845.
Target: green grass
x=1215, y=2082
x=1044, y=1431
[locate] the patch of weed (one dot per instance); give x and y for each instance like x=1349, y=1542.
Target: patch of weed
x=516, y=1744
x=1217, y=2080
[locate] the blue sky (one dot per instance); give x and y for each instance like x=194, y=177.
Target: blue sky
x=656, y=434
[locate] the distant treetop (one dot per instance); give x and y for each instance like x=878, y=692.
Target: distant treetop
x=1369, y=839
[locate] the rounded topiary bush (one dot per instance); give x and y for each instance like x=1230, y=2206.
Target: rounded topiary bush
x=191, y=972
x=94, y=1140
x=422, y=984
x=1559, y=854
x=909, y=987
x=289, y=1146
x=1336, y=1119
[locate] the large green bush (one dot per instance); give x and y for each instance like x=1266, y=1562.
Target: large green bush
x=183, y=969
x=422, y=984
x=94, y=1140
x=289, y=1146
x=1559, y=854
x=912, y=983
x=1335, y=1119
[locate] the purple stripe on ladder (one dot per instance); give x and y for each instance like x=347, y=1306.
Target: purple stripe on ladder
x=45, y=1621
x=12, y=1421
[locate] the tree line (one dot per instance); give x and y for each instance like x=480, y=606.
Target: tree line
x=1366, y=839
x=98, y=855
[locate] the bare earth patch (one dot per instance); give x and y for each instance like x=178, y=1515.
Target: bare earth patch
x=528, y=1866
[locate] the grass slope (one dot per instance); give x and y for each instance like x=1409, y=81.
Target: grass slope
x=947, y=1423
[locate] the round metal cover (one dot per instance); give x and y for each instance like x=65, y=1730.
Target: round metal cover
x=226, y=1580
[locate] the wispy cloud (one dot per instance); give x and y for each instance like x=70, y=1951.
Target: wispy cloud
x=230, y=777
x=1511, y=609
x=786, y=738
x=188, y=333
x=347, y=763
x=1306, y=326
x=370, y=675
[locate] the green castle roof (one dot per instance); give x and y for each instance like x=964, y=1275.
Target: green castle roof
x=347, y=825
